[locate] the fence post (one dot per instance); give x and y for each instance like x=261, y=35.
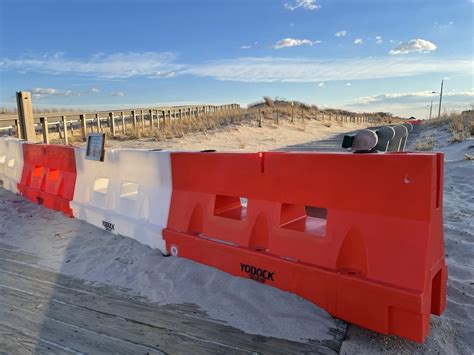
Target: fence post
x=122, y=118
x=151, y=118
x=134, y=119
x=64, y=121
x=25, y=115
x=112, y=123
x=44, y=125
x=82, y=117
x=99, y=126
x=17, y=128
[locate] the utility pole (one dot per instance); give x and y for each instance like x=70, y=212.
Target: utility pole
x=440, y=99
x=431, y=108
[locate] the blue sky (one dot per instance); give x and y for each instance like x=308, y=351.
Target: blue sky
x=363, y=55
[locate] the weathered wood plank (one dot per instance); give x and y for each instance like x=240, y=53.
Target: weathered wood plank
x=12, y=341
x=69, y=336
x=185, y=320
x=105, y=324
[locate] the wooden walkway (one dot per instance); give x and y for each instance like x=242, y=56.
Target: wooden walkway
x=44, y=312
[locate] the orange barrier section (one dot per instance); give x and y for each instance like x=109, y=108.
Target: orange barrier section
x=360, y=235
x=49, y=175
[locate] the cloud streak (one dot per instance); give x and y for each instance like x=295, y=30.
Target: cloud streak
x=118, y=65
x=41, y=93
x=413, y=103
x=277, y=69
x=419, y=96
x=244, y=69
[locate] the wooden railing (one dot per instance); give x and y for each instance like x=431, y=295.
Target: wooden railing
x=114, y=122
x=117, y=123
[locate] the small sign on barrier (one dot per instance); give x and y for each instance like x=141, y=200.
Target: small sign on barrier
x=95, y=146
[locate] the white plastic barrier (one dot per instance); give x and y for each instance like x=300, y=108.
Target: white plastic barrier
x=129, y=193
x=11, y=162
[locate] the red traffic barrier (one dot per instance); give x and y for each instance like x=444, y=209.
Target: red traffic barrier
x=49, y=175
x=360, y=235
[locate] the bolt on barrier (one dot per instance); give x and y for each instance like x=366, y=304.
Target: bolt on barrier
x=11, y=162
x=360, y=235
x=128, y=193
x=49, y=175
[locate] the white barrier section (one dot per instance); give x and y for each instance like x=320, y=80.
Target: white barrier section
x=129, y=193
x=11, y=162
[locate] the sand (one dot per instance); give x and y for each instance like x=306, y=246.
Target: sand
x=73, y=247
x=246, y=137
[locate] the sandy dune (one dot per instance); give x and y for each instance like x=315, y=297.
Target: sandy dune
x=246, y=137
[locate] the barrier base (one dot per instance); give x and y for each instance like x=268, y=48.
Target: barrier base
x=351, y=297
x=10, y=185
x=49, y=201
x=141, y=231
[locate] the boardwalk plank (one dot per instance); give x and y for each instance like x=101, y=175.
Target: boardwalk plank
x=171, y=328
x=13, y=341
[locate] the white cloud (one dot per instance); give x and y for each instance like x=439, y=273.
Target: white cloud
x=117, y=65
x=378, y=39
x=414, y=103
x=322, y=84
x=118, y=93
x=248, y=46
x=305, y=4
x=168, y=74
x=40, y=93
x=358, y=41
x=414, y=45
x=50, y=91
x=419, y=96
x=292, y=42
x=342, y=33
x=277, y=69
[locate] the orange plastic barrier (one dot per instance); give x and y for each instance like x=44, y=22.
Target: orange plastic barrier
x=49, y=175
x=360, y=235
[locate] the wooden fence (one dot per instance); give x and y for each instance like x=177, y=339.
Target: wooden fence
x=113, y=122
x=116, y=123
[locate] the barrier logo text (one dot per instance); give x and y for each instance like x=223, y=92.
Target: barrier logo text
x=108, y=226
x=256, y=273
